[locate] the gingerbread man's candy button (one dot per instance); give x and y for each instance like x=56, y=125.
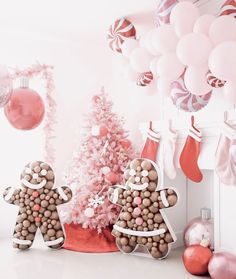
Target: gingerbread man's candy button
x=35, y=194
x=137, y=200
x=139, y=221
x=37, y=219
x=137, y=211
x=36, y=207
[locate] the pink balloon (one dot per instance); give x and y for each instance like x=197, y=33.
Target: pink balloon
x=128, y=46
x=25, y=110
x=222, y=266
x=140, y=60
x=222, y=61
x=148, y=43
x=223, y=29
x=129, y=73
x=230, y=91
x=203, y=23
x=169, y=67
x=195, y=80
x=183, y=16
x=164, y=39
x=194, y=49
x=153, y=66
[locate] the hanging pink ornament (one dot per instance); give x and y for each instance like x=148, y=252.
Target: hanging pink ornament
x=112, y=177
x=199, y=228
x=25, y=110
x=213, y=81
x=186, y=101
x=97, y=130
x=5, y=86
x=125, y=143
x=144, y=79
x=229, y=8
x=118, y=32
x=222, y=266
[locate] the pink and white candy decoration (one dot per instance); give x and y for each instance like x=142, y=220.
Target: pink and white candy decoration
x=163, y=11
x=186, y=101
x=213, y=81
x=144, y=79
x=229, y=8
x=120, y=30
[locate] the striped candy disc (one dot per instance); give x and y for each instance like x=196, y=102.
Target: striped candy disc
x=144, y=79
x=229, y=8
x=163, y=11
x=213, y=81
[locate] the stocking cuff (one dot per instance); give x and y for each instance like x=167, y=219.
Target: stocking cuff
x=153, y=135
x=196, y=134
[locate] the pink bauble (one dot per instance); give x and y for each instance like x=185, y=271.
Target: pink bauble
x=144, y=79
x=112, y=177
x=140, y=60
x=125, y=143
x=189, y=52
x=103, y=131
x=164, y=39
x=164, y=86
x=223, y=29
x=163, y=11
x=222, y=266
x=128, y=46
x=120, y=30
x=213, y=81
x=25, y=109
x=229, y=8
x=186, y=101
x=169, y=67
x=230, y=92
x=222, y=61
x=203, y=23
x=153, y=66
x=148, y=42
x=183, y=16
x=129, y=73
x=5, y=86
x=195, y=80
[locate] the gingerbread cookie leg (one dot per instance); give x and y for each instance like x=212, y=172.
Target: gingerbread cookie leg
x=52, y=231
x=126, y=243
x=24, y=232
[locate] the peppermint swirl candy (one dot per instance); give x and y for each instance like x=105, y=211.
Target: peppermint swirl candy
x=144, y=79
x=214, y=81
x=120, y=30
x=163, y=11
x=186, y=101
x=229, y=8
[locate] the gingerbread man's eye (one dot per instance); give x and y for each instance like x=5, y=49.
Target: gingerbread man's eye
x=43, y=172
x=144, y=173
x=132, y=172
x=28, y=171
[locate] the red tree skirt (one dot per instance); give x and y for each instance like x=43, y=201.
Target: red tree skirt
x=87, y=240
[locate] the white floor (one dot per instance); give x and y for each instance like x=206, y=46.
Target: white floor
x=41, y=263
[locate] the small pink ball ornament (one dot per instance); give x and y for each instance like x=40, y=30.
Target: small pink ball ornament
x=112, y=177
x=137, y=200
x=25, y=109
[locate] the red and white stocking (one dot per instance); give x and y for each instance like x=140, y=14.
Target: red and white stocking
x=169, y=154
x=151, y=145
x=225, y=161
x=190, y=153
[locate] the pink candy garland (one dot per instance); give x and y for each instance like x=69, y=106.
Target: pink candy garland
x=45, y=72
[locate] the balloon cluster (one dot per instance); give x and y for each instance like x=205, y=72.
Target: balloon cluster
x=199, y=50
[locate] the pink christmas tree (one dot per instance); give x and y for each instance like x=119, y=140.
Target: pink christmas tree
x=99, y=162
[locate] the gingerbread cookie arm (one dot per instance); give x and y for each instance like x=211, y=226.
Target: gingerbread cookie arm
x=168, y=197
x=114, y=192
x=65, y=194
x=12, y=195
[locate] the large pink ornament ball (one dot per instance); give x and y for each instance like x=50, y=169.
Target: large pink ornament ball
x=222, y=266
x=25, y=110
x=223, y=29
x=120, y=30
x=112, y=177
x=189, y=51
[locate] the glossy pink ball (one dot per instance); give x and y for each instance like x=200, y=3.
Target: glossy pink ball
x=137, y=200
x=25, y=110
x=137, y=211
x=139, y=221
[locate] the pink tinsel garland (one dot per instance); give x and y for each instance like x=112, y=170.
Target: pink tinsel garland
x=45, y=71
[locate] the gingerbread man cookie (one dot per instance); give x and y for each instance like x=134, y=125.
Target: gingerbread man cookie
x=142, y=220
x=38, y=202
